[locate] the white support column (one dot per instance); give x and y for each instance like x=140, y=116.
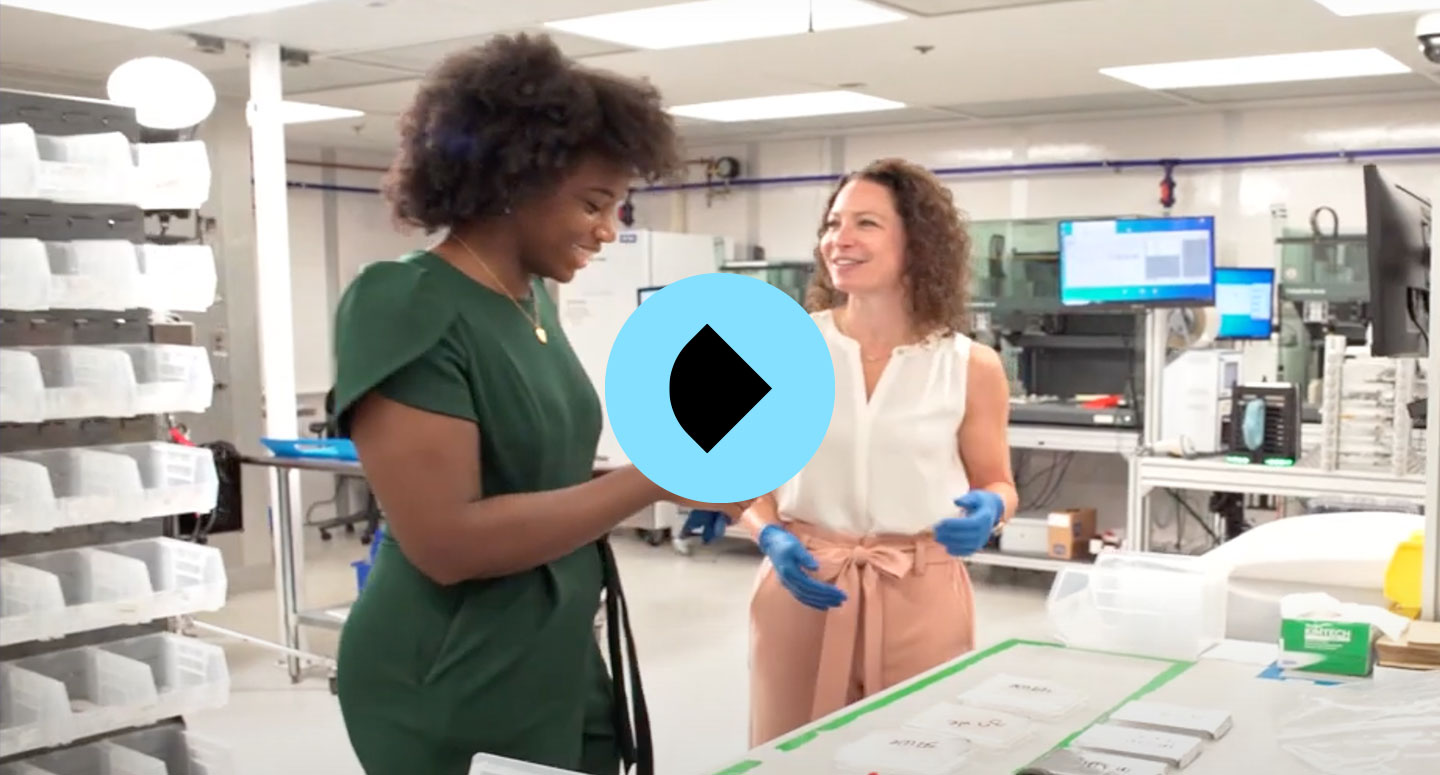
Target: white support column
x=1430, y=582
x=274, y=316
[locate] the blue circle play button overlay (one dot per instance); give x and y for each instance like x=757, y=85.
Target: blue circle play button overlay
x=719, y=387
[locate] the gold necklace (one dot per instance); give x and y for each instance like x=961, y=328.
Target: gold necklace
x=533, y=318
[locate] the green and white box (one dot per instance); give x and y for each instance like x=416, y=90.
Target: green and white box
x=1325, y=646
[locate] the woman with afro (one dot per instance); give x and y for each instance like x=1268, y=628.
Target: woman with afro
x=477, y=427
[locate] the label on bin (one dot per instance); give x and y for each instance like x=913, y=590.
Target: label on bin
x=982, y=726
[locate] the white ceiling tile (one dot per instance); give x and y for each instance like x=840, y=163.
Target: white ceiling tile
x=318, y=75
x=420, y=58
x=336, y=26
x=944, y=7
x=392, y=97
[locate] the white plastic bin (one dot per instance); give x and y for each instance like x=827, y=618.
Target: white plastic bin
x=75, y=382
x=1161, y=605
x=24, y=274
x=87, y=169
x=73, y=694
x=169, y=377
x=173, y=176
x=22, y=387
x=101, y=274
x=183, y=753
x=60, y=697
x=32, y=603
x=104, y=586
x=181, y=278
x=188, y=674
x=185, y=578
x=115, y=483
x=99, y=758
x=19, y=161
x=93, y=585
x=27, y=498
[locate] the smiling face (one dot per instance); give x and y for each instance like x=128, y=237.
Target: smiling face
x=560, y=233
x=863, y=244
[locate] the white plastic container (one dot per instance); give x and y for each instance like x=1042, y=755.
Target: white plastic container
x=100, y=758
x=181, y=278
x=101, y=274
x=19, y=161
x=182, y=753
x=27, y=497
x=86, y=169
x=1161, y=605
x=169, y=377
x=24, y=274
x=74, y=382
x=57, y=698
x=173, y=176
x=22, y=387
x=115, y=483
x=54, y=594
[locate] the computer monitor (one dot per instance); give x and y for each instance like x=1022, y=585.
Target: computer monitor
x=1144, y=261
x=1245, y=301
x=1398, y=232
x=644, y=293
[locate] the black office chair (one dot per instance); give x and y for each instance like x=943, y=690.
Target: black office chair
x=370, y=514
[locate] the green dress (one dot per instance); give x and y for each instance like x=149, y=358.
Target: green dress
x=430, y=675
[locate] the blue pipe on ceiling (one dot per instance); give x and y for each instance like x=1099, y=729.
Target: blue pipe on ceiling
x=1001, y=169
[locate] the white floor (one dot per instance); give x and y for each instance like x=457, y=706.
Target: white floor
x=690, y=619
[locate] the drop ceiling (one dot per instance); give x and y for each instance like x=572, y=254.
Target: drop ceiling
x=952, y=60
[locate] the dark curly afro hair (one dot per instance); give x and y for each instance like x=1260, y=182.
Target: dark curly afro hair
x=498, y=124
x=937, y=247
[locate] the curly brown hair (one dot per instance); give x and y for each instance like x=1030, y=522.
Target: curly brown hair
x=937, y=247
x=498, y=124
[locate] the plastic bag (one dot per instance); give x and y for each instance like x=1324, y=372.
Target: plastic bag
x=1384, y=727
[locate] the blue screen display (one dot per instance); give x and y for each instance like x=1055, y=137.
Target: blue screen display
x=1245, y=300
x=1138, y=261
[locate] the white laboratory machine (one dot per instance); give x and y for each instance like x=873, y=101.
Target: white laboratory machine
x=594, y=306
x=1196, y=391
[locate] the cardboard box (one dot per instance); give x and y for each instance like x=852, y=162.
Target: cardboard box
x=1070, y=533
x=1321, y=646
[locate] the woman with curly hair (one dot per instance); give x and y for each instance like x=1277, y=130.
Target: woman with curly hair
x=477, y=427
x=863, y=587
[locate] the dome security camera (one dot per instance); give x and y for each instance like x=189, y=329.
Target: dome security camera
x=1427, y=31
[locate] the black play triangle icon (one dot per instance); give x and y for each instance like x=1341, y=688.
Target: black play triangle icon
x=712, y=388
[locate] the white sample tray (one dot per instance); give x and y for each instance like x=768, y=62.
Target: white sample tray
x=53, y=594
x=38, y=384
x=57, y=698
x=47, y=489
x=162, y=751
x=86, y=169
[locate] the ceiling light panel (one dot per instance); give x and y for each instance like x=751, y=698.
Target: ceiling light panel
x=309, y=112
x=1373, y=7
x=154, y=14
x=824, y=103
x=1270, y=68
x=722, y=21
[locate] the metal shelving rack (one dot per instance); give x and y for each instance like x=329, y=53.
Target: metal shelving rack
x=134, y=729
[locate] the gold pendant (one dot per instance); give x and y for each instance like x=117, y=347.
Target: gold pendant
x=541, y=335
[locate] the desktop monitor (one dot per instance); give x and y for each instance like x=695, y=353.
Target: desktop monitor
x=1398, y=232
x=1245, y=301
x=1145, y=261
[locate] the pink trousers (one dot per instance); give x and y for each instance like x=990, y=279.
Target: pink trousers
x=910, y=607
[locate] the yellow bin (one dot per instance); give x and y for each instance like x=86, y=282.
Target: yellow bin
x=1402, y=578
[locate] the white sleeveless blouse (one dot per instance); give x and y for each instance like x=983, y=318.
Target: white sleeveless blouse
x=892, y=464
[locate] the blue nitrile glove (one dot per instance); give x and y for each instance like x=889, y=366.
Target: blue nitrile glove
x=964, y=536
x=708, y=525
x=791, y=561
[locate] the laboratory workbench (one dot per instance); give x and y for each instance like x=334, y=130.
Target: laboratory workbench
x=1231, y=681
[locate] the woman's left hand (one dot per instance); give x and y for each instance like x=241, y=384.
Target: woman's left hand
x=966, y=535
